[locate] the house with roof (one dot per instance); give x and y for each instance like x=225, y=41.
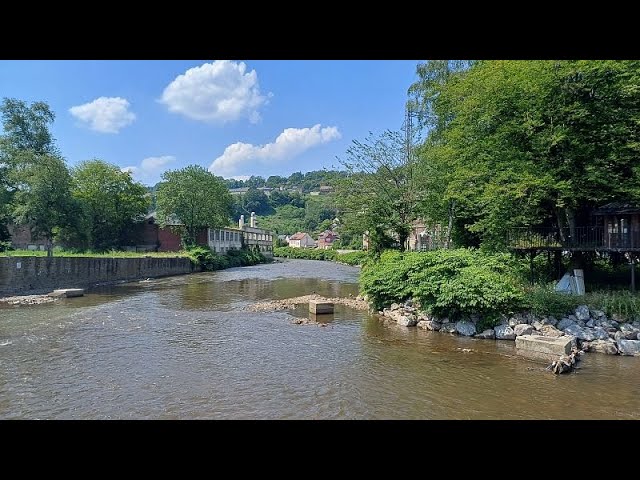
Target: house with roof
x=326, y=239
x=301, y=240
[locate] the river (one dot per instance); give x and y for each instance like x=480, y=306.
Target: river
x=184, y=348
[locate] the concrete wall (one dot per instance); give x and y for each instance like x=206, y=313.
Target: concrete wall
x=25, y=275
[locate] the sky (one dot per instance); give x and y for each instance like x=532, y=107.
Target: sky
x=236, y=118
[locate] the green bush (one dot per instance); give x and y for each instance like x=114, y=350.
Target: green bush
x=544, y=300
x=353, y=258
x=305, y=253
x=624, y=304
x=206, y=259
x=445, y=282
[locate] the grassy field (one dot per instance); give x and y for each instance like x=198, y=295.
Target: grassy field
x=111, y=254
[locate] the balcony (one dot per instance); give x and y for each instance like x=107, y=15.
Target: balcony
x=579, y=238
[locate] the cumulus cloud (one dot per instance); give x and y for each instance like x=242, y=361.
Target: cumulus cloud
x=104, y=114
x=290, y=143
x=150, y=169
x=217, y=92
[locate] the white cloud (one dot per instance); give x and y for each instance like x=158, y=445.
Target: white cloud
x=217, y=92
x=290, y=143
x=104, y=114
x=240, y=177
x=150, y=169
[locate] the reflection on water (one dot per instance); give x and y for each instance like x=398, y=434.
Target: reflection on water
x=182, y=347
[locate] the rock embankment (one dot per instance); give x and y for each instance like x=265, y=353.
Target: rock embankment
x=272, y=305
x=28, y=300
x=593, y=330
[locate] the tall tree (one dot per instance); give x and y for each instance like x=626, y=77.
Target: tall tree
x=531, y=143
x=196, y=198
x=114, y=202
x=27, y=127
x=43, y=198
x=379, y=195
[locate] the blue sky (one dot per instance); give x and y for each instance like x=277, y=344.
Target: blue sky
x=237, y=118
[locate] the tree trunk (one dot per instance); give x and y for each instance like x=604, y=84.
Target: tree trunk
x=452, y=205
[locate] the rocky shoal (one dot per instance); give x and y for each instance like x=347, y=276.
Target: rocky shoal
x=594, y=331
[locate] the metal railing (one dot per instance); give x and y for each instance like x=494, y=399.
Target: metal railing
x=593, y=237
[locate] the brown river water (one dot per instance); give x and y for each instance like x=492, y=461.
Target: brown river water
x=184, y=348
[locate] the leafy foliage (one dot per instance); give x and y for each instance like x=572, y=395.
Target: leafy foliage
x=206, y=259
x=195, y=198
x=379, y=193
x=515, y=143
x=445, y=282
x=544, y=300
x=114, y=202
x=350, y=258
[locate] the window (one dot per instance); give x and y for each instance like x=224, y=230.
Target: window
x=217, y=235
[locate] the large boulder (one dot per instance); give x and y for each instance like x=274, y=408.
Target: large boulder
x=604, y=346
x=523, y=329
x=550, y=331
x=629, y=347
x=600, y=333
x=448, y=327
x=591, y=323
x=582, y=313
x=406, y=321
x=537, y=325
x=488, y=334
x=465, y=328
x=430, y=325
x=551, y=321
x=597, y=313
x=504, y=332
x=617, y=336
x=394, y=306
x=564, y=323
x=629, y=331
x=579, y=332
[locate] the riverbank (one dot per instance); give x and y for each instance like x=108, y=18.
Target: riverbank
x=593, y=331
x=352, y=259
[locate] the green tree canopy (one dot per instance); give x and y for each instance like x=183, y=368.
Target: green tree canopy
x=195, y=197
x=516, y=143
x=379, y=195
x=43, y=199
x=26, y=127
x=114, y=202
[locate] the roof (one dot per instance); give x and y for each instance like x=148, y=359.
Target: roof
x=618, y=208
x=328, y=233
x=298, y=236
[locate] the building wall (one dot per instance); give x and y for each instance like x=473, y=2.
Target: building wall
x=21, y=238
x=22, y=275
x=221, y=240
x=259, y=238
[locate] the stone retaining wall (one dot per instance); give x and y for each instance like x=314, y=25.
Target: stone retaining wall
x=29, y=275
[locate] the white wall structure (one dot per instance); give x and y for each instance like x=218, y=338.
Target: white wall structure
x=221, y=240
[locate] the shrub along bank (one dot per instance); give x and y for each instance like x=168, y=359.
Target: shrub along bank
x=473, y=293
x=207, y=260
x=350, y=258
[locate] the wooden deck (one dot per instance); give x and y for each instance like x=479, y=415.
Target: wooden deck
x=579, y=239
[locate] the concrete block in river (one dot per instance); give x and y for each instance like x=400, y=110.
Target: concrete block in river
x=543, y=348
x=316, y=306
x=67, y=292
